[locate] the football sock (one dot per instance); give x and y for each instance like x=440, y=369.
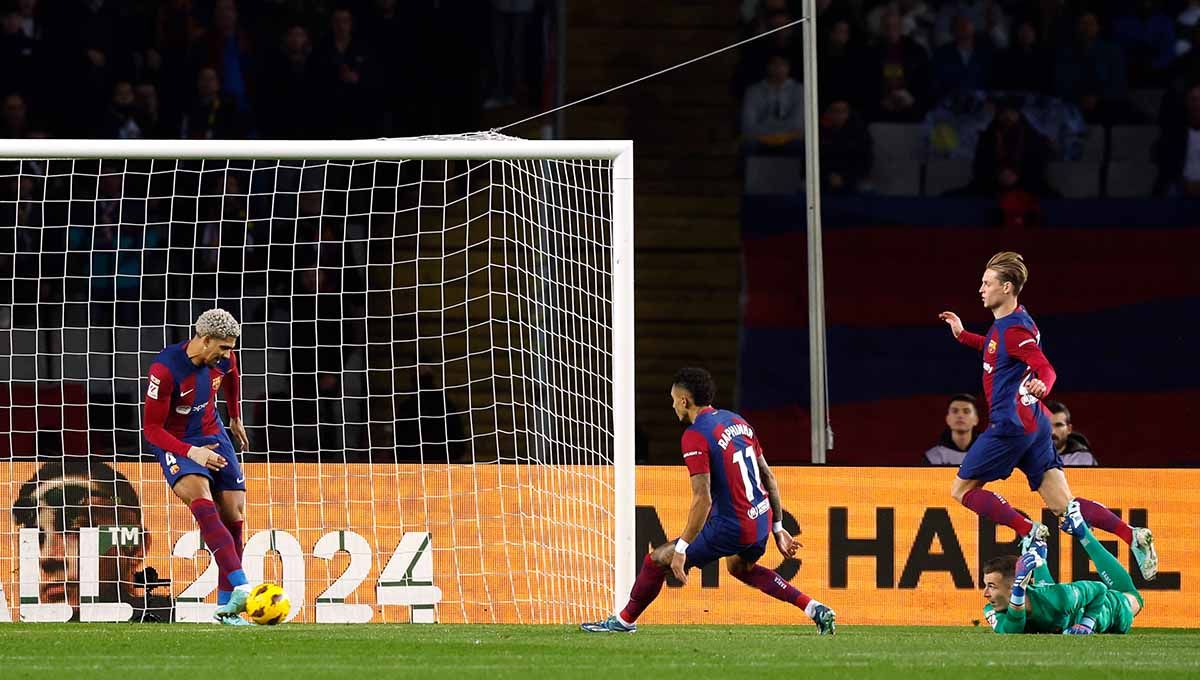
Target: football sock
x=1100, y=517
x=1109, y=567
x=219, y=541
x=995, y=508
x=773, y=584
x=224, y=589
x=647, y=586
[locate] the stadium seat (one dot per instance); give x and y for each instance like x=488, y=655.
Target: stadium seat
x=774, y=174
x=1093, y=145
x=1130, y=179
x=894, y=177
x=898, y=141
x=1075, y=180
x=1147, y=102
x=1133, y=142
x=942, y=175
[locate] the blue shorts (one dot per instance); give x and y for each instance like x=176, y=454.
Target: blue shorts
x=229, y=478
x=993, y=456
x=717, y=540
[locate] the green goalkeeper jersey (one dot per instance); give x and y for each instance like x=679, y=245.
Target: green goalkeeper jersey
x=1053, y=607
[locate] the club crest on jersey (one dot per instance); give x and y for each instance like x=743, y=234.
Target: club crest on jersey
x=761, y=509
x=992, y=346
x=216, y=383
x=174, y=469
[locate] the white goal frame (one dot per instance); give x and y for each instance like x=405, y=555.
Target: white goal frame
x=618, y=152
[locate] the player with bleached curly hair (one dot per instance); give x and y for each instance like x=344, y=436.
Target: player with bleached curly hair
x=197, y=457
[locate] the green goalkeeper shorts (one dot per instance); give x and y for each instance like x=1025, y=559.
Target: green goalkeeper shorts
x=1116, y=616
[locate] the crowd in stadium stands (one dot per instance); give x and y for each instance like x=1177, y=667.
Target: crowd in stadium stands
x=1128, y=68
x=263, y=68
x=962, y=421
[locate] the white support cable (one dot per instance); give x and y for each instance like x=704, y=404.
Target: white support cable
x=680, y=65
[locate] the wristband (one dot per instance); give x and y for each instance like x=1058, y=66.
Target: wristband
x=681, y=546
x=1089, y=622
x=1017, y=599
x=777, y=527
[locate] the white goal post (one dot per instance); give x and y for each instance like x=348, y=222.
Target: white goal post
x=436, y=360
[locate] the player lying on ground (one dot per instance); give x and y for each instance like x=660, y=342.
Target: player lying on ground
x=1016, y=377
x=735, y=506
x=200, y=464
x=1023, y=597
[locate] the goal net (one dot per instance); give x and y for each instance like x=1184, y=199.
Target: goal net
x=436, y=359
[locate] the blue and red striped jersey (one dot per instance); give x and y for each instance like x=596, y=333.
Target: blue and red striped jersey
x=181, y=398
x=723, y=444
x=1012, y=356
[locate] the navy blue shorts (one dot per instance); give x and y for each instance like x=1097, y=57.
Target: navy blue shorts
x=993, y=456
x=229, y=478
x=718, y=540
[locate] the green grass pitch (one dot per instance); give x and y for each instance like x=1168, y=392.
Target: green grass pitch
x=291, y=652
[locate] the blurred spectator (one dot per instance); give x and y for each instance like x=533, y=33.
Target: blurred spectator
x=1011, y=156
x=511, y=21
x=1055, y=20
x=1184, y=23
x=754, y=58
x=1072, y=446
x=1183, y=72
x=120, y=121
x=841, y=65
x=30, y=24
x=1187, y=65
x=289, y=105
x=753, y=14
x=900, y=81
x=845, y=148
x=211, y=115
x=773, y=111
x=15, y=118
x=146, y=111
x=1147, y=36
x=962, y=417
x=96, y=49
x=964, y=64
x=916, y=20
x=19, y=55
x=986, y=15
x=176, y=30
x=1025, y=66
x=1177, y=152
x=1090, y=73
x=344, y=66
x=227, y=48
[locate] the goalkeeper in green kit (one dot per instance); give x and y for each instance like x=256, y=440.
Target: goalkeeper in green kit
x=1023, y=597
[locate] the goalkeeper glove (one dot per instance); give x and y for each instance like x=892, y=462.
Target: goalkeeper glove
x=1026, y=563
x=1084, y=627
